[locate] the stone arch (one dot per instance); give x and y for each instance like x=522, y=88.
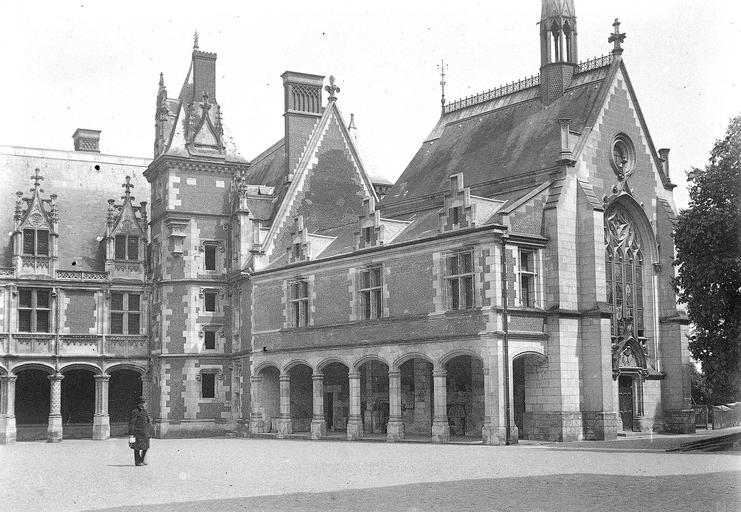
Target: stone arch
x=368, y=358
x=529, y=352
x=125, y=366
x=81, y=366
x=293, y=363
x=410, y=355
x=264, y=365
x=456, y=353
x=641, y=223
x=329, y=360
x=44, y=367
x=3, y=371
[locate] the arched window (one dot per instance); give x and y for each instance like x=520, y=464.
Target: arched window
x=624, y=272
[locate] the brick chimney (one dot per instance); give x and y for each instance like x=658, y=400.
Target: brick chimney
x=204, y=75
x=86, y=140
x=303, y=108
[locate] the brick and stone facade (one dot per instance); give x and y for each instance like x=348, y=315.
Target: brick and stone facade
x=515, y=282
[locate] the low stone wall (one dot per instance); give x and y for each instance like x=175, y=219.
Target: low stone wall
x=553, y=426
x=679, y=421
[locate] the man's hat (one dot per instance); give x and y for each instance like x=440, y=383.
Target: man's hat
x=141, y=400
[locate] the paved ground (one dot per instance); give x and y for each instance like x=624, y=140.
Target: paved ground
x=260, y=474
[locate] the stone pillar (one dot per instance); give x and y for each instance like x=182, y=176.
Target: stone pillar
x=440, y=427
x=355, y=421
x=493, y=431
x=7, y=409
x=318, y=423
x=146, y=380
x=395, y=427
x=257, y=423
x=54, y=430
x=369, y=420
x=101, y=420
x=285, y=425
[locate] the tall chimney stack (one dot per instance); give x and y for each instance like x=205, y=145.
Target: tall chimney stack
x=86, y=140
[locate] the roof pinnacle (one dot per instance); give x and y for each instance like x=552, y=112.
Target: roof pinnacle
x=37, y=179
x=195, y=40
x=127, y=186
x=162, y=79
x=332, y=89
x=617, y=38
x=442, y=67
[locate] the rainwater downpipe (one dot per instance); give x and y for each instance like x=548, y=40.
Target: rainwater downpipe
x=505, y=329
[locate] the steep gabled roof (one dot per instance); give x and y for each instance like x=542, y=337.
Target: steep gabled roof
x=499, y=139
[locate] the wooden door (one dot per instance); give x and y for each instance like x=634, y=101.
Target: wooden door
x=625, y=395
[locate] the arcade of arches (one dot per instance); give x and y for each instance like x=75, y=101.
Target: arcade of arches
x=78, y=401
x=415, y=398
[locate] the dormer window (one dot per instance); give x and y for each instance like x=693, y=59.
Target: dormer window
x=368, y=235
x=127, y=247
x=455, y=214
x=36, y=242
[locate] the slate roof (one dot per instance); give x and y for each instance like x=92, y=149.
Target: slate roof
x=82, y=198
x=507, y=137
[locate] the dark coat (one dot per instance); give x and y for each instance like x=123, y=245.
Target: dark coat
x=140, y=426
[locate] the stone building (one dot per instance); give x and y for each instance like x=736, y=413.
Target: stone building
x=517, y=273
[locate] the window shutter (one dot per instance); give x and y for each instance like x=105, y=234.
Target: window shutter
x=133, y=248
x=120, y=252
x=29, y=242
x=42, y=243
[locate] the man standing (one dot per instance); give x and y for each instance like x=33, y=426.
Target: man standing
x=140, y=430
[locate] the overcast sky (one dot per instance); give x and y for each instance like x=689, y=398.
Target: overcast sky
x=96, y=65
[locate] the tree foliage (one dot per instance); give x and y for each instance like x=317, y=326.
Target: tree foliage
x=707, y=239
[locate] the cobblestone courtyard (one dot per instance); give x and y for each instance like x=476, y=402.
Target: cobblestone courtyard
x=251, y=474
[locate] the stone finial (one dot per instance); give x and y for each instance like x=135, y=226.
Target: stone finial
x=332, y=89
x=617, y=38
x=162, y=80
x=37, y=179
x=442, y=66
x=127, y=186
x=195, y=40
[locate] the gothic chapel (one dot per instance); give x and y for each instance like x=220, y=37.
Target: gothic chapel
x=514, y=283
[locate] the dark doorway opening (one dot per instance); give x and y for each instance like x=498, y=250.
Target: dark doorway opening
x=123, y=389
x=625, y=399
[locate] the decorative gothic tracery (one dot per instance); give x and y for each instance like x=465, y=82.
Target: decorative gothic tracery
x=624, y=280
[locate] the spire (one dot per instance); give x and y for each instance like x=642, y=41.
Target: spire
x=616, y=38
x=195, y=40
x=332, y=89
x=558, y=32
x=162, y=80
x=442, y=67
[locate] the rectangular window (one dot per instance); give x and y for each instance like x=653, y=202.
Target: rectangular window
x=299, y=300
x=527, y=279
x=125, y=313
x=209, y=340
x=126, y=247
x=208, y=385
x=210, y=257
x=209, y=301
x=368, y=235
x=459, y=276
x=455, y=213
x=33, y=310
x=36, y=242
x=371, y=292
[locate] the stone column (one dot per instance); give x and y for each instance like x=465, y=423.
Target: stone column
x=355, y=421
x=395, y=427
x=54, y=430
x=369, y=421
x=147, y=386
x=101, y=420
x=318, y=423
x=257, y=423
x=7, y=409
x=285, y=426
x=440, y=427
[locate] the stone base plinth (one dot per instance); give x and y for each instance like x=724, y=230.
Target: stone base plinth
x=183, y=429
x=257, y=425
x=354, y=429
x=440, y=432
x=318, y=428
x=680, y=421
x=553, y=426
x=284, y=427
x=7, y=430
x=54, y=431
x=648, y=424
x=600, y=425
x=101, y=427
x=495, y=436
x=394, y=431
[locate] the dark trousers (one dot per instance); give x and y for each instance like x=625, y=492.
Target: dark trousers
x=139, y=456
